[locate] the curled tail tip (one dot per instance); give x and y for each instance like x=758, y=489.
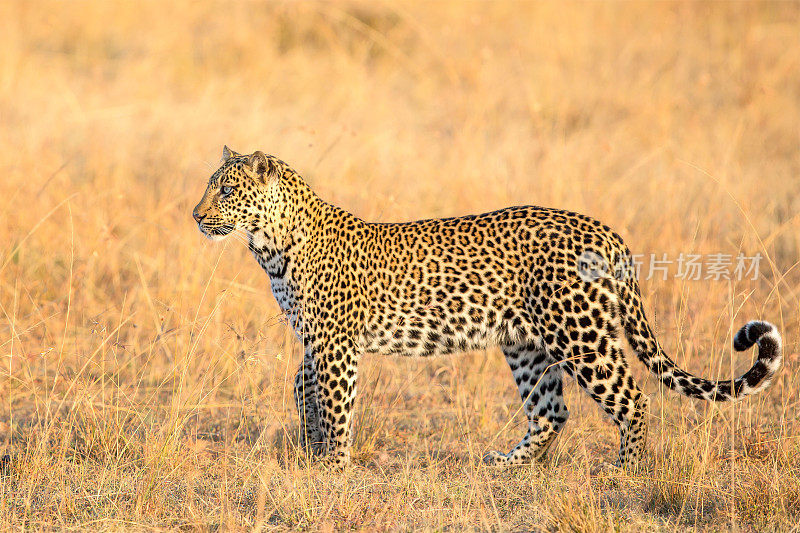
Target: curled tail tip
x=761, y=332
x=770, y=357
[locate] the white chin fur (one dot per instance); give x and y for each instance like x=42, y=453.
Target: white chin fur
x=215, y=237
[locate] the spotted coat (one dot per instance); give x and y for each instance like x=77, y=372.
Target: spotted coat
x=513, y=278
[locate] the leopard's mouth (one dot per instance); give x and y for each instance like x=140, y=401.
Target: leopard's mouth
x=216, y=233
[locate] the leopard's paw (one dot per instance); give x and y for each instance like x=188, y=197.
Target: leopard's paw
x=495, y=458
x=335, y=460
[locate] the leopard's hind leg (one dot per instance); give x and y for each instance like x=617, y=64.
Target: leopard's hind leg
x=539, y=382
x=586, y=329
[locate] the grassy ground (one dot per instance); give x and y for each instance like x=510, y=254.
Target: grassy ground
x=146, y=371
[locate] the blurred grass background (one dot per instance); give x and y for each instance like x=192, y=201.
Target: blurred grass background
x=146, y=372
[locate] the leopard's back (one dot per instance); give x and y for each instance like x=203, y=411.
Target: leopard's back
x=447, y=285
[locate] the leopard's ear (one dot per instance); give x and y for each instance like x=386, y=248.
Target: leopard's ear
x=261, y=165
x=227, y=153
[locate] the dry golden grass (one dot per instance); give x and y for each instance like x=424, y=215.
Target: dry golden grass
x=146, y=371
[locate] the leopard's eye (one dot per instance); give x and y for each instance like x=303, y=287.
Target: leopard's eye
x=226, y=190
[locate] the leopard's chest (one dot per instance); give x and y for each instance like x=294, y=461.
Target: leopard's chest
x=285, y=288
x=288, y=298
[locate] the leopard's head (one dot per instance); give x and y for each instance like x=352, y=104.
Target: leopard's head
x=241, y=195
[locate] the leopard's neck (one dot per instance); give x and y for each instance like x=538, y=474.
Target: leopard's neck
x=279, y=243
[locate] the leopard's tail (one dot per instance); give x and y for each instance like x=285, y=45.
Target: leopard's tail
x=649, y=351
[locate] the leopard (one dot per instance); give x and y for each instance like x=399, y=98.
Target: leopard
x=543, y=285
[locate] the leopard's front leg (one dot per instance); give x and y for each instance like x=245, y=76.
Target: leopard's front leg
x=305, y=398
x=336, y=366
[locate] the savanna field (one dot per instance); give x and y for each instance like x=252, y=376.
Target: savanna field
x=146, y=377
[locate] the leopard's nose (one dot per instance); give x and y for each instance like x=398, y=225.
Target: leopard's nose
x=197, y=216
